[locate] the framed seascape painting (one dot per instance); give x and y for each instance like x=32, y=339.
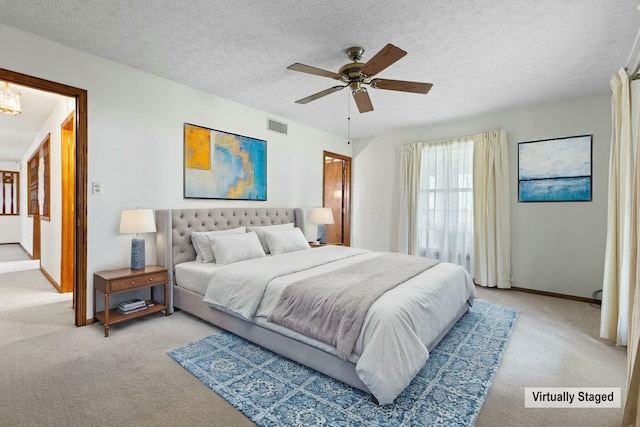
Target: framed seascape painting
x=223, y=165
x=555, y=170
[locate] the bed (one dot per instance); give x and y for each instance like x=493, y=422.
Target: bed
x=242, y=297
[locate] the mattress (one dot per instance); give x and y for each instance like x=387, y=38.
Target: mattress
x=195, y=275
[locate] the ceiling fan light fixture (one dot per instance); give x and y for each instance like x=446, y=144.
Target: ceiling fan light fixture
x=9, y=101
x=356, y=87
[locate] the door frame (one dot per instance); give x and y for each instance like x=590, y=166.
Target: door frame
x=346, y=193
x=80, y=95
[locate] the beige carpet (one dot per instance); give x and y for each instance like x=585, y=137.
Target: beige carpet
x=12, y=252
x=14, y=258
x=76, y=377
x=554, y=344
x=27, y=288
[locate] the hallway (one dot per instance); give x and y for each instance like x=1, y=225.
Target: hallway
x=22, y=284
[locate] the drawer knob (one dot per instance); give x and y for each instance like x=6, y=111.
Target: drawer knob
x=150, y=278
x=133, y=283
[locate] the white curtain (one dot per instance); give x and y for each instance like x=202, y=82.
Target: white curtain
x=623, y=234
x=492, y=231
x=455, y=204
x=445, y=202
x=617, y=288
x=410, y=192
x=445, y=220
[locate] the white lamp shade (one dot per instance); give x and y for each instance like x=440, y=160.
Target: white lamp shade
x=322, y=216
x=134, y=221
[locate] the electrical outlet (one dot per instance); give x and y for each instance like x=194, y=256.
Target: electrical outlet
x=96, y=188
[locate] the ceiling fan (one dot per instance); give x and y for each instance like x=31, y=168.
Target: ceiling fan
x=357, y=74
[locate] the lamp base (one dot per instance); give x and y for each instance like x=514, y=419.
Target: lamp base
x=322, y=234
x=137, y=253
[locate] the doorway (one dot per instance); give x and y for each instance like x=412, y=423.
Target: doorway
x=336, y=194
x=79, y=184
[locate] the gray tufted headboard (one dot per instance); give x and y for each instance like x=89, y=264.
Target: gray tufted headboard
x=174, y=227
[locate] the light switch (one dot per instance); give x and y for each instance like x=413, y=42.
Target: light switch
x=97, y=188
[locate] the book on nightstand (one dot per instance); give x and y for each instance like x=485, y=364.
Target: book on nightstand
x=131, y=303
x=131, y=306
x=132, y=310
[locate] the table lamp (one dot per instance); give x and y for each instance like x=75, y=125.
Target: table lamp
x=322, y=216
x=137, y=221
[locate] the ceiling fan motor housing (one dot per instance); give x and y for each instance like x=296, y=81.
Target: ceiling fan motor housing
x=352, y=71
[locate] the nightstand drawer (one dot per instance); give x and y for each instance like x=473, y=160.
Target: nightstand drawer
x=132, y=282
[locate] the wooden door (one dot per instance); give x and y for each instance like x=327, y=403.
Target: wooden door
x=337, y=196
x=34, y=206
x=35, y=252
x=68, y=158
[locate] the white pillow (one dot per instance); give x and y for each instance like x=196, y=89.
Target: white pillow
x=232, y=248
x=283, y=241
x=260, y=230
x=200, y=241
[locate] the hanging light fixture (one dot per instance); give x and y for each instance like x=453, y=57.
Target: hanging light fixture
x=9, y=101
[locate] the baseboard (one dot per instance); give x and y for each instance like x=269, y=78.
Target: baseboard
x=555, y=295
x=50, y=279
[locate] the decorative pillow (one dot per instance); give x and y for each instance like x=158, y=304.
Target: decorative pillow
x=260, y=230
x=200, y=241
x=282, y=241
x=232, y=248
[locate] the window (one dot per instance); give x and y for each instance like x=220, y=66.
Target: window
x=445, y=215
x=10, y=193
x=39, y=181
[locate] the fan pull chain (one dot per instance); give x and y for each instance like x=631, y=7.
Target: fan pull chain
x=349, y=119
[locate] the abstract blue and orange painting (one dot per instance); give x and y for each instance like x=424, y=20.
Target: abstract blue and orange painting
x=222, y=165
x=555, y=170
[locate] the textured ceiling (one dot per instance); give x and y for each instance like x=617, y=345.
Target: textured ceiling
x=480, y=55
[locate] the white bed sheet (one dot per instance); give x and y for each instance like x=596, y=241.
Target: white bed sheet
x=392, y=345
x=195, y=275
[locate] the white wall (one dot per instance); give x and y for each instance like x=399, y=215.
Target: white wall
x=555, y=247
x=135, y=142
x=51, y=229
x=10, y=225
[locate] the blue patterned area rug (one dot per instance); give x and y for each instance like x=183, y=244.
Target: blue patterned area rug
x=274, y=391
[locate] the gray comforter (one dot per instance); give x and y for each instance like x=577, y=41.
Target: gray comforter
x=331, y=307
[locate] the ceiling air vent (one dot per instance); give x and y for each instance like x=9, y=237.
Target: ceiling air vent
x=276, y=126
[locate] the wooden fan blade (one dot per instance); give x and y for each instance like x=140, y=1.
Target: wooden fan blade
x=313, y=70
x=362, y=100
x=400, y=85
x=381, y=60
x=319, y=94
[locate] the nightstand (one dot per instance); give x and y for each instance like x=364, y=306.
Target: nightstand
x=126, y=280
